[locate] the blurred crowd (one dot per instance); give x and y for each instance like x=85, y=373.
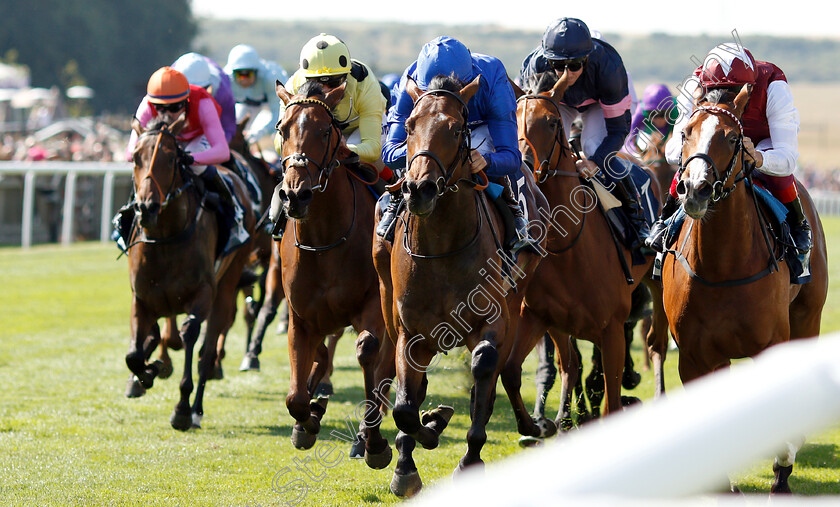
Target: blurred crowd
x=68, y=140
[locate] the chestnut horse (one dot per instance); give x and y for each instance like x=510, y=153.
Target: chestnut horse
x=738, y=299
x=173, y=265
x=441, y=281
x=327, y=269
x=580, y=288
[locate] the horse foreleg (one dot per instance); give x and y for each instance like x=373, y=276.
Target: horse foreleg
x=135, y=388
x=484, y=368
x=657, y=338
x=529, y=329
x=377, y=451
x=411, y=375
x=268, y=310
x=145, y=336
x=325, y=386
x=595, y=383
x=170, y=339
x=182, y=417
x=569, y=364
x=612, y=362
x=630, y=379
x=783, y=466
x=303, y=347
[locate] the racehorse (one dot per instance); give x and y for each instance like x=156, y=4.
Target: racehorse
x=728, y=291
x=327, y=270
x=441, y=281
x=173, y=266
x=580, y=288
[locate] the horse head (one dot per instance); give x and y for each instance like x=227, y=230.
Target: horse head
x=437, y=141
x=539, y=122
x=156, y=162
x=712, y=149
x=312, y=144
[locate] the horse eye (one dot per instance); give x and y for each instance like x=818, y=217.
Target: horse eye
x=732, y=140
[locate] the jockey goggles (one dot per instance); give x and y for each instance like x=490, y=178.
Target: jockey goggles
x=573, y=65
x=246, y=73
x=329, y=81
x=170, y=108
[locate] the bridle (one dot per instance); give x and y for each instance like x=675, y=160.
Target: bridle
x=543, y=171
x=330, y=160
x=719, y=190
x=443, y=182
x=169, y=195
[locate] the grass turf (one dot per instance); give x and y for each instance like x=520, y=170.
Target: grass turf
x=69, y=436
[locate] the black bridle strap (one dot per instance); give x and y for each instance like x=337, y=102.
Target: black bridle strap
x=309, y=248
x=329, y=162
x=541, y=174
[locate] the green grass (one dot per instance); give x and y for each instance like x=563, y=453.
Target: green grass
x=68, y=435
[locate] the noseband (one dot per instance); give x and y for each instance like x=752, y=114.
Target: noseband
x=719, y=192
x=330, y=161
x=442, y=182
x=180, y=165
x=542, y=172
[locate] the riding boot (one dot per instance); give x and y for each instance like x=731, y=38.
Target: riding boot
x=123, y=223
x=630, y=199
x=388, y=221
x=214, y=182
x=516, y=225
x=800, y=229
x=656, y=238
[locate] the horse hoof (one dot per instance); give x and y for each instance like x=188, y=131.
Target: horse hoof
x=196, y=420
x=218, y=373
x=282, y=327
x=474, y=468
x=301, y=439
x=164, y=368
x=181, y=422
x=526, y=442
x=380, y=460
x=630, y=380
x=357, y=450
x=406, y=486
x=250, y=363
x=546, y=427
x=134, y=389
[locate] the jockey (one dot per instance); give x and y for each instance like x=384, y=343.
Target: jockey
x=599, y=94
x=252, y=81
x=770, y=122
x=492, y=122
x=654, y=116
x=360, y=112
x=204, y=72
x=169, y=96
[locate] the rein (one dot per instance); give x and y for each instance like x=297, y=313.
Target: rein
x=310, y=248
x=461, y=156
x=540, y=172
x=448, y=254
x=720, y=193
x=330, y=160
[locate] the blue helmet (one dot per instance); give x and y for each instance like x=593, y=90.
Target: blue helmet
x=567, y=39
x=443, y=56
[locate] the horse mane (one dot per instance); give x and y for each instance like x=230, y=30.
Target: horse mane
x=449, y=83
x=311, y=88
x=156, y=124
x=725, y=95
x=540, y=82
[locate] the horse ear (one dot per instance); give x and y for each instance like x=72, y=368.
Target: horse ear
x=741, y=99
x=136, y=126
x=559, y=89
x=281, y=92
x=698, y=94
x=471, y=89
x=335, y=95
x=178, y=124
x=517, y=91
x=412, y=89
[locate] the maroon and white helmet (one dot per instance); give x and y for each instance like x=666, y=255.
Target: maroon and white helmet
x=727, y=64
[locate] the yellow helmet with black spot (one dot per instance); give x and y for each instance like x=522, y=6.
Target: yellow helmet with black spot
x=324, y=55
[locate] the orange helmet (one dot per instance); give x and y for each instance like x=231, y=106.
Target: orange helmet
x=167, y=86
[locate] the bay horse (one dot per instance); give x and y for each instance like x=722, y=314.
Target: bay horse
x=327, y=270
x=579, y=289
x=737, y=299
x=173, y=267
x=442, y=276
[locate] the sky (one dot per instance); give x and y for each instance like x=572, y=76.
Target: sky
x=808, y=18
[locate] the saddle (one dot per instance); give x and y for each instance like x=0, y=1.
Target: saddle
x=798, y=264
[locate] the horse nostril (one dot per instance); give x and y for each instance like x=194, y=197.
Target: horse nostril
x=281, y=194
x=305, y=196
x=703, y=191
x=682, y=188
